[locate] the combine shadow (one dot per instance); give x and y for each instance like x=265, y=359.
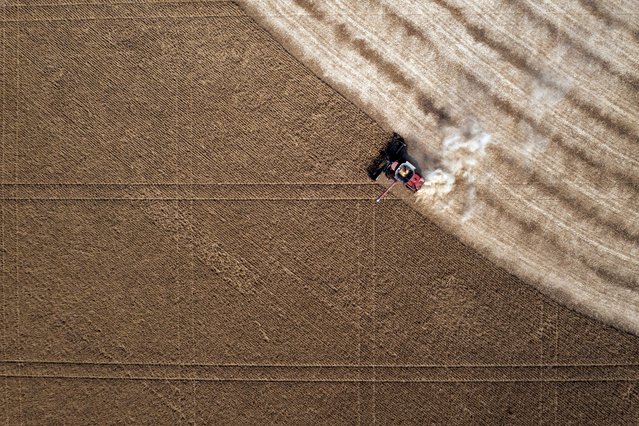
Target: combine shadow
x=395, y=150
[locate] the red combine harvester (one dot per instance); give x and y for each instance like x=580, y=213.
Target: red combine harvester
x=395, y=163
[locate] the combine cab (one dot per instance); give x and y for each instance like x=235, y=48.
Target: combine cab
x=395, y=163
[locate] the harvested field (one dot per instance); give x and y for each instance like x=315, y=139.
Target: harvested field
x=189, y=236
x=526, y=113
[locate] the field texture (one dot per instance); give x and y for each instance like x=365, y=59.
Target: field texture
x=525, y=114
x=189, y=237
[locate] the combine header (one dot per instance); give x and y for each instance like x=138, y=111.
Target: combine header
x=395, y=163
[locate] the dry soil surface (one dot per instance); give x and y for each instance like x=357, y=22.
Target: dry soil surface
x=188, y=236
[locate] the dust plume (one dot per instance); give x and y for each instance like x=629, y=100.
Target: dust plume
x=546, y=91
x=461, y=149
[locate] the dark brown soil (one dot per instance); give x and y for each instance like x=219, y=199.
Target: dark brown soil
x=189, y=236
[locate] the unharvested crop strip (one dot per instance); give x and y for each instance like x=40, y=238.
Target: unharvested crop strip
x=395, y=74
x=518, y=114
x=613, y=256
x=518, y=60
x=577, y=206
x=531, y=228
x=557, y=32
x=608, y=19
x=581, y=154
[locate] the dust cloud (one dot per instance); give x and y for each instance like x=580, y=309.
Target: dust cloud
x=461, y=149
